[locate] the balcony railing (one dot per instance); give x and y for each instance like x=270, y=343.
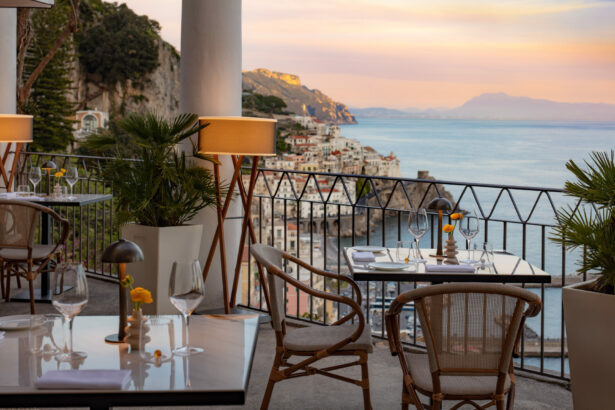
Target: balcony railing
x=314, y=215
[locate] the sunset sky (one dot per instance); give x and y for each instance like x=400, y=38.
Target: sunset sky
x=430, y=53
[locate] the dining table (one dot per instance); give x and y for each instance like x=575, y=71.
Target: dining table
x=505, y=267
x=217, y=376
x=43, y=293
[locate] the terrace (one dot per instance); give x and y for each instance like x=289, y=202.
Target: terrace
x=520, y=226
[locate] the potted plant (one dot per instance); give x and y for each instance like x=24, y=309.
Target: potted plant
x=156, y=195
x=589, y=307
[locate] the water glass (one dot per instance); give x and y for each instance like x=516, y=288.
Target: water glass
x=484, y=255
x=48, y=338
x=156, y=344
x=23, y=190
x=402, y=253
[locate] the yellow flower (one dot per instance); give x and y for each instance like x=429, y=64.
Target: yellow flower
x=456, y=216
x=141, y=295
x=58, y=174
x=62, y=170
x=448, y=228
x=127, y=281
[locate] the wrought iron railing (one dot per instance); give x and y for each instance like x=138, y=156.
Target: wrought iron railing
x=314, y=215
x=92, y=226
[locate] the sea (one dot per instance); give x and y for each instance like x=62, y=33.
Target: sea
x=514, y=153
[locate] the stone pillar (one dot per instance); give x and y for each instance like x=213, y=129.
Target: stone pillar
x=210, y=77
x=8, y=70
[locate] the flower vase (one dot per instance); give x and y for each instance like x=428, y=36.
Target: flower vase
x=450, y=251
x=133, y=329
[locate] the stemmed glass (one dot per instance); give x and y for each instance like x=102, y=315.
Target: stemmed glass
x=469, y=226
x=34, y=175
x=186, y=293
x=70, y=302
x=72, y=176
x=418, y=225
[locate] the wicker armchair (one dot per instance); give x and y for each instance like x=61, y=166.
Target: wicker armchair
x=315, y=342
x=470, y=331
x=19, y=256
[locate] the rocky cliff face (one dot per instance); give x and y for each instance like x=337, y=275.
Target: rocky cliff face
x=299, y=99
x=158, y=92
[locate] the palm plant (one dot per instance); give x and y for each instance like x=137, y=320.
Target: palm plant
x=592, y=227
x=161, y=187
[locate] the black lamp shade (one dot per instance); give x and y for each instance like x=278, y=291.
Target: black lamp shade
x=49, y=165
x=122, y=251
x=440, y=204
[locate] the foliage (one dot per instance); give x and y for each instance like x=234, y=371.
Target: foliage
x=263, y=103
x=592, y=229
x=112, y=141
x=122, y=47
x=363, y=187
x=48, y=102
x=161, y=188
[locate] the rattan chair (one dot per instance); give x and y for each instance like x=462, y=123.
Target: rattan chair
x=19, y=256
x=342, y=338
x=470, y=331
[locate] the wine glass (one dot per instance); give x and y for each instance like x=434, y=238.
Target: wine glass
x=469, y=226
x=186, y=293
x=71, y=176
x=70, y=302
x=35, y=175
x=418, y=225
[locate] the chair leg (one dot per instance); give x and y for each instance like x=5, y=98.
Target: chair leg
x=31, y=283
x=367, y=404
x=499, y=404
x=273, y=378
x=510, y=400
x=2, y=279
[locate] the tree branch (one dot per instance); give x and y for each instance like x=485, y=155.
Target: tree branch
x=23, y=92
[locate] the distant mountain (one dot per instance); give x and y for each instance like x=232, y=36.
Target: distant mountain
x=299, y=99
x=380, y=112
x=501, y=106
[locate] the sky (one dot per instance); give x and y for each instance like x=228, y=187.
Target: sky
x=429, y=53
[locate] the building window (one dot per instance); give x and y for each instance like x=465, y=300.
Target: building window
x=89, y=123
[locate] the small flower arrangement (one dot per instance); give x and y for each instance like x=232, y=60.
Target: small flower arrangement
x=138, y=295
x=448, y=228
x=60, y=174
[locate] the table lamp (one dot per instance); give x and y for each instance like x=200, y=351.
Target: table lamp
x=121, y=252
x=14, y=128
x=439, y=204
x=237, y=137
x=49, y=166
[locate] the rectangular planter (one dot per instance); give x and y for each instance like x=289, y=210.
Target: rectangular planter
x=590, y=328
x=161, y=247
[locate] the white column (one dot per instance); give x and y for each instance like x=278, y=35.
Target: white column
x=8, y=68
x=210, y=76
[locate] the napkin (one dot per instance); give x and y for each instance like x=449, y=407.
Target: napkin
x=1, y=335
x=363, y=257
x=450, y=268
x=84, y=379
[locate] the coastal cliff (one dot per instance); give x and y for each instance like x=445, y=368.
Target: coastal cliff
x=299, y=99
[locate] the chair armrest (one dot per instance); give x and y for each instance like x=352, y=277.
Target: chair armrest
x=331, y=275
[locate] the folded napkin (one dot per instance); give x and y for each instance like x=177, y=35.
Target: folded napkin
x=1, y=335
x=84, y=379
x=450, y=268
x=363, y=257
x=8, y=195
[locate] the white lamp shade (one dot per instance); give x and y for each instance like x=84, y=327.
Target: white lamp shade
x=15, y=128
x=237, y=136
x=44, y=4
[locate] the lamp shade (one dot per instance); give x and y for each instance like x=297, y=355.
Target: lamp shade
x=15, y=128
x=122, y=251
x=440, y=204
x=34, y=4
x=237, y=136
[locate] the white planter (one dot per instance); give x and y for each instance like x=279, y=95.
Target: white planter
x=161, y=247
x=590, y=327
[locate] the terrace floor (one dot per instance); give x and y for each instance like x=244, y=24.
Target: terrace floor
x=319, y=392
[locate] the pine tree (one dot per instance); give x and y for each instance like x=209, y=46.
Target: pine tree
x=48, y=102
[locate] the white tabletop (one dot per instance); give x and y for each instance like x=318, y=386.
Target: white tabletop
x=221, y=371
x=506, y=268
